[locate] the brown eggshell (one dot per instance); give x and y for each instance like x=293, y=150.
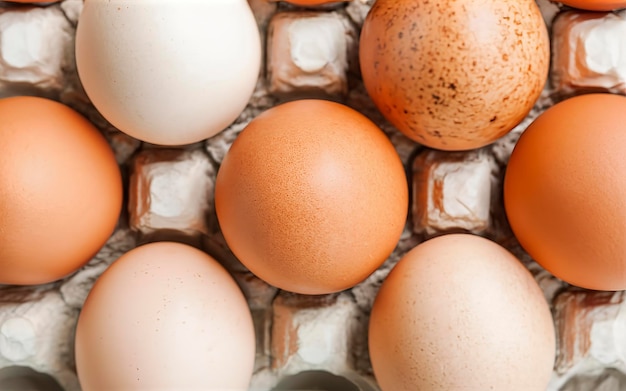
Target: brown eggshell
x=595, y=5
x=165, y=316
x=459, y=312
x=565, y=188
x=60, y=190
x=312, y=197
x=454, y=75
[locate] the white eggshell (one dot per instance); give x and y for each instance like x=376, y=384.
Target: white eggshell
x=168, y=72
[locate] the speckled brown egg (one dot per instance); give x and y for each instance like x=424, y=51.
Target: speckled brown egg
x=454, y=75
x=312, y=197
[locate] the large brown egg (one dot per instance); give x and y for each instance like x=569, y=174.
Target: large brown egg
x=454, y=75
x=565, y=191
x=312, y=197
x=60, y=190
x=459, y=312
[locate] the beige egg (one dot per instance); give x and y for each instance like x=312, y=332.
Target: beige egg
x=459, y=312
x=165, y=316
x=454, y=75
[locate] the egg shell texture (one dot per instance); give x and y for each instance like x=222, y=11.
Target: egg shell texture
x=165, y=316
x=60, y=190
x=567, y=209
x=493, y=331
x=312, y=197
x=454, y=75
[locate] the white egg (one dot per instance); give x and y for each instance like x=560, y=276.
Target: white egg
x=168, y=72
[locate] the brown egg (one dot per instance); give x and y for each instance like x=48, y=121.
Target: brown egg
x=459, y=312
x=312, y=197
x=60, y=190
x=565, y=188
x=595, y=5
x=454, y=75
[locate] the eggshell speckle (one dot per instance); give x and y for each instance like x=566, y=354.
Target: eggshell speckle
x=459, y=312
x=165, y=316
x=312, y=197
x=60, y=190
x=565, y=188
x=454, y=75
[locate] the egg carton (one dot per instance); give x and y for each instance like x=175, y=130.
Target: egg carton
x=303, y=342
